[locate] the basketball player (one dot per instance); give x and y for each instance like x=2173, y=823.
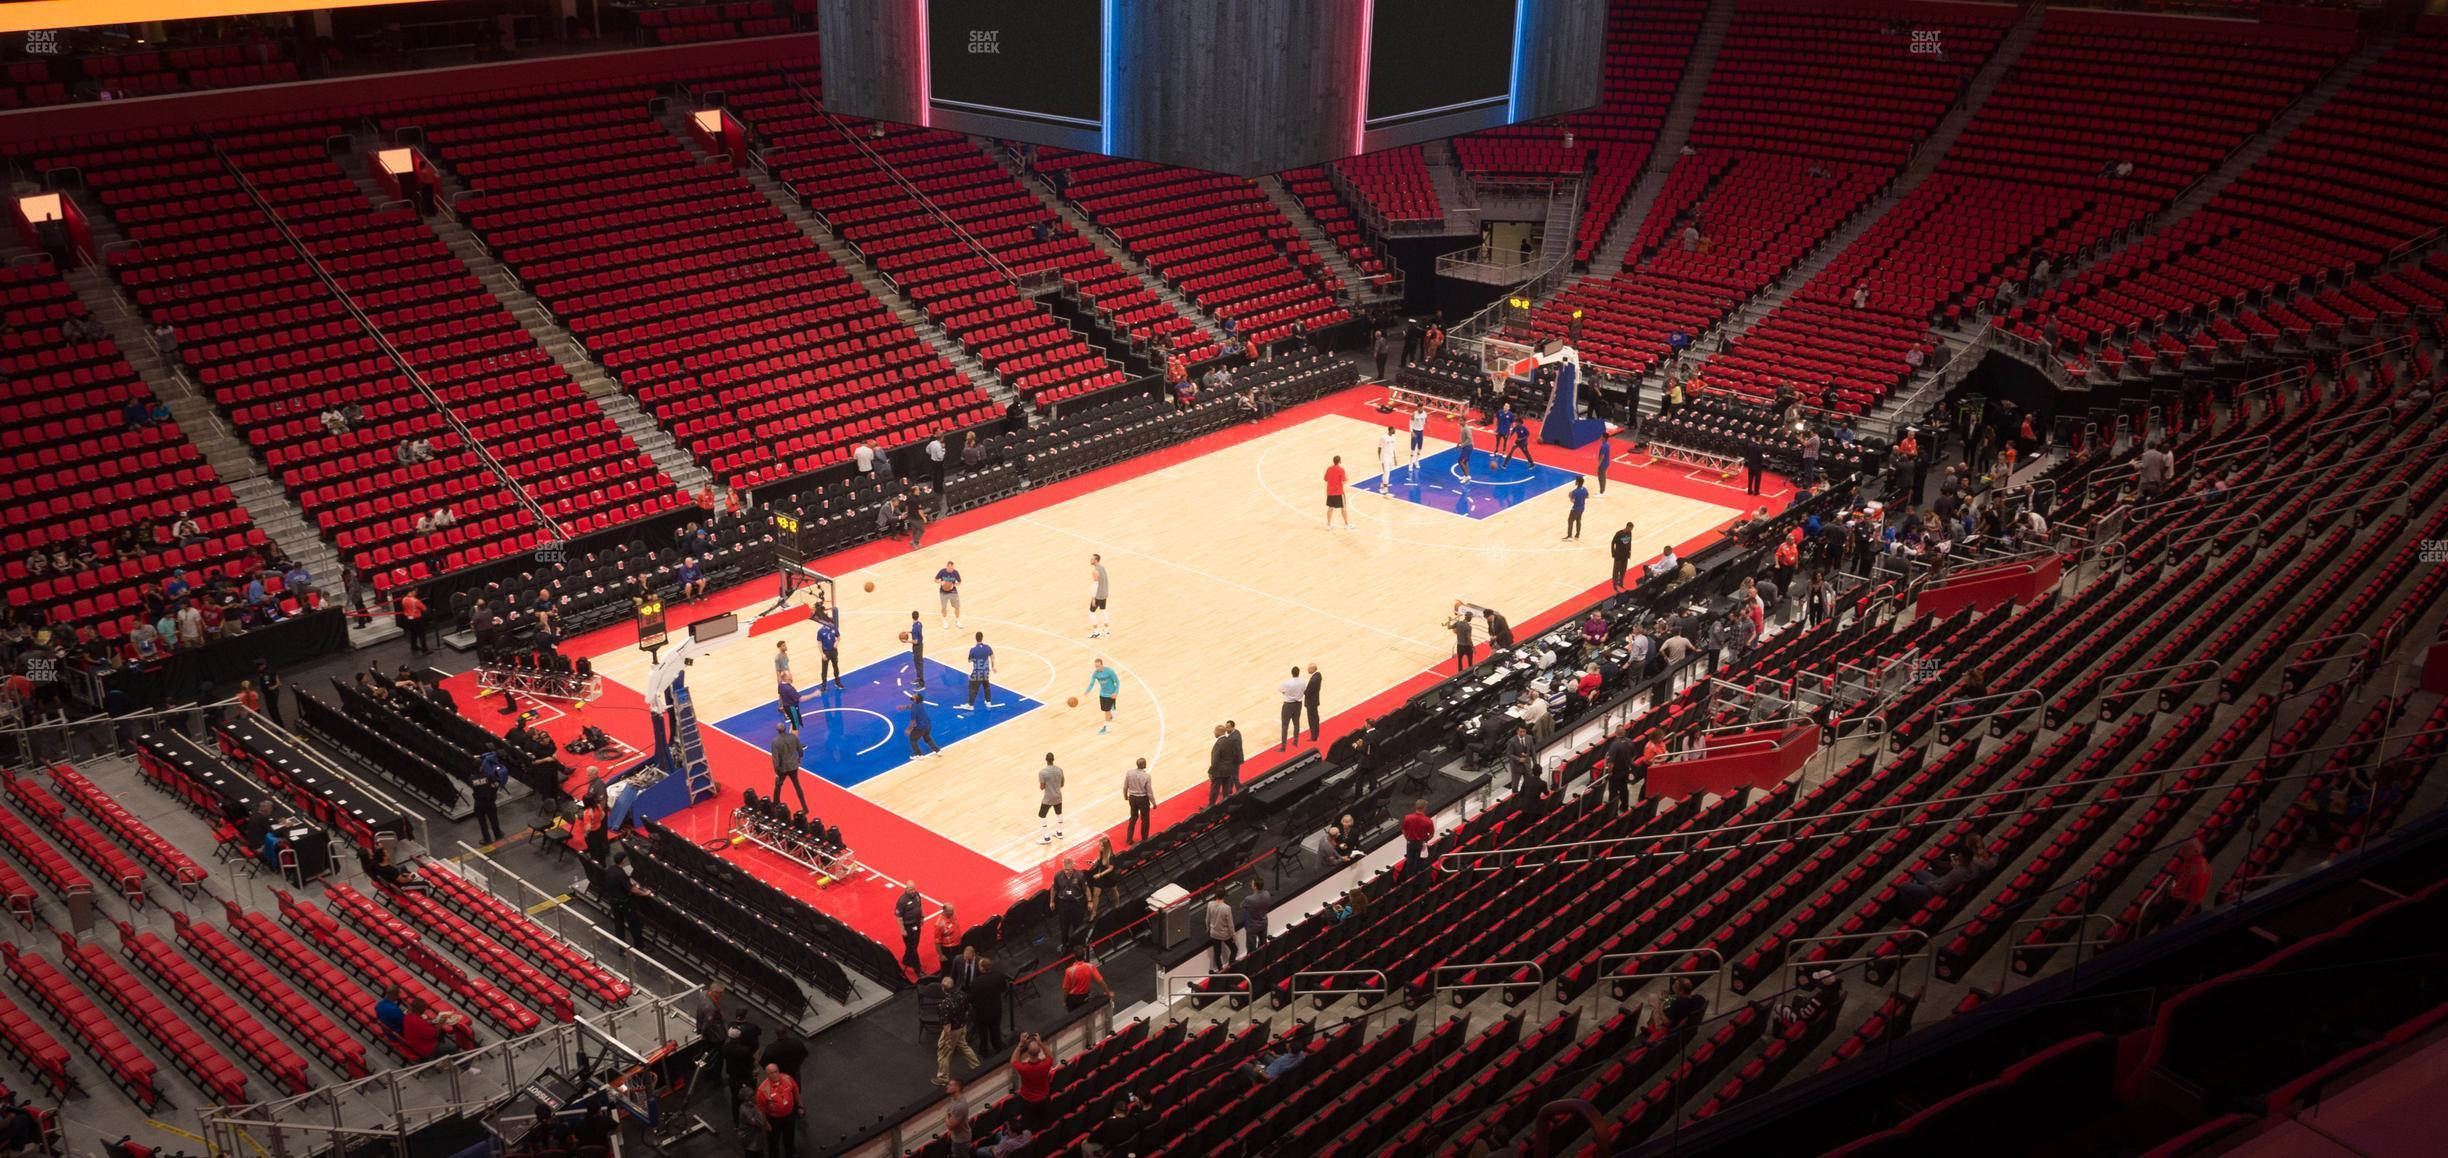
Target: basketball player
x=1385, y=457
x=1107, y=684
x=782, y=661
x=1504, y=432
x=1334, y=493
x=921, y=728
x=1049, y=799
x=916, y=635
x=828, y=644
x=1466, y=449
x=947, y=594
x=1099, y=623
x=1419, y=436
x=981, y=668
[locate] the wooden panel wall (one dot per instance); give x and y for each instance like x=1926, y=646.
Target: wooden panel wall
x=1565, y=60
x=1248, y=87
x=871, y=58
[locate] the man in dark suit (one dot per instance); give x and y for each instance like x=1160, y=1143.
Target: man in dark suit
x=1309, y=699
x=988, y=992
x=1224, y=763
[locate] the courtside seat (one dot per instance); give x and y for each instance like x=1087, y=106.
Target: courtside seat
x=218, y=951
x=45, y=986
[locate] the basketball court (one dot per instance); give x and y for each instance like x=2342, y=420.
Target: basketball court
x=1224, y=576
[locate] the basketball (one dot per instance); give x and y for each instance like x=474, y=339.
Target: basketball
x=870, y=585
x=1073, y=702
x=905, y=637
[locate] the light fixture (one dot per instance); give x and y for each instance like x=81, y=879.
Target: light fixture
x=42, y=207
x=397, y=162
x=709, y=121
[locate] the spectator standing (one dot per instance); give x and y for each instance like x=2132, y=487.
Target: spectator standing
x=1256, y=904
x=953, y=1039
x=987, y=994
x=1032, y=1063
x=1222, y=949
x=1418, y=828
x=1139, y=792
x=1291, y=691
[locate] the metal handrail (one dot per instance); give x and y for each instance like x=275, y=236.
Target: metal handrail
x=2217, y=528
x=919, y=195
x=2037, y=699
x=348, y=302
x=1712, y=835
x=2015, y=947
x=2416, y=244
x=2304, y=647
x=1618, y=990
x=1380, y=989
x=1175, y=987
x=1927, y=957
x=1436, y=989
x=2136, y=512
x=2163, y=688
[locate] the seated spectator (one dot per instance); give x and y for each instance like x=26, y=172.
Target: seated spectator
x=186, y=530
x=444, y=516
x=692, y=579
x=1272, y=1064
x=422, y=1031
x=1342, y=843
x=1961, y=871
x=136, y=414
x=333, y=421
x=1680, y=1008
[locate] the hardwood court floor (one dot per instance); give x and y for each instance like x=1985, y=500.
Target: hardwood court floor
x=1223, y=577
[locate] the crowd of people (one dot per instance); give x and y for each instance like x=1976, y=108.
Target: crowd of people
x=183, y=611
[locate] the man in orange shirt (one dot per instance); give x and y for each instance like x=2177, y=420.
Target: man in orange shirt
x=410, y=612
x=1078, y=978
x=1334, y=493
x=947, y=936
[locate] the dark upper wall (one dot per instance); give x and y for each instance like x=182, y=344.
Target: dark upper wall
x=1243, y=86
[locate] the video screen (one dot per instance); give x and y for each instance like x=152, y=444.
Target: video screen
x=1035, y=60
x=1434, y=58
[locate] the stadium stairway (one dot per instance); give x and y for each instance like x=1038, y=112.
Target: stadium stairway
x=684, y=470
x=972, y=370
x=1104, y=241
x=1924, y=162
x=265, y=501
x=1671, y=135
x=1365, y=297
x=1454, y=191
x=194, y=413
x=2252, y=151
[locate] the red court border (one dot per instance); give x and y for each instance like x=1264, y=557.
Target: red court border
x=977, y=886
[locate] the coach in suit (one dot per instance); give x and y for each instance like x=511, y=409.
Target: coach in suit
x=1224, y=763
